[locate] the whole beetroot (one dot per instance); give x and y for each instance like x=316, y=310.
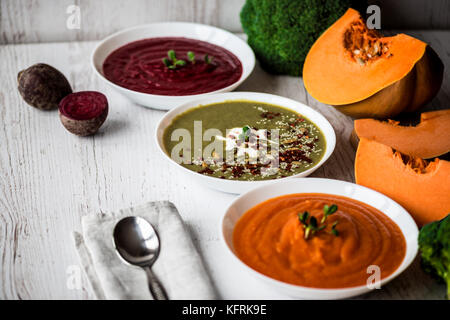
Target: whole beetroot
x=43, y=86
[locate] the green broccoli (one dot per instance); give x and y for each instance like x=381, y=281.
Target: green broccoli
x=281, y=32
x=434, y=244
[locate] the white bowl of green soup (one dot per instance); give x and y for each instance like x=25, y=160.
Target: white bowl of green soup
x=236, y=141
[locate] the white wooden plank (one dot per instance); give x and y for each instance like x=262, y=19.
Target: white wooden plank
x=26, y=21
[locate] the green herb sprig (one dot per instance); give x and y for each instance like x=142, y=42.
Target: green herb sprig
x=191, y=57
x=208, y=59
x=311, y=225
x=333, y=228
x=245, y=135
x=327, y=211
x=173, y=62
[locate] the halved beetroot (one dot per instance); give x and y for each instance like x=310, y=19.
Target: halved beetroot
x=83, y=113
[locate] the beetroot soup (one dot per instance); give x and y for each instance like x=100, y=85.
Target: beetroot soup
x=172, y=66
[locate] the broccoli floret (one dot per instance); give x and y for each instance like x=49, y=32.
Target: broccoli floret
x=281, y=32
x=434, y=244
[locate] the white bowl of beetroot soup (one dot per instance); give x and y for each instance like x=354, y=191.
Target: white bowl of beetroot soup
x=362, y=240
x=163, y=65
x=237, y=141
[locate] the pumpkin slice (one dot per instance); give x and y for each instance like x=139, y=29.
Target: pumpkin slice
x=364, y=74
x=433, y=114
x=429, y=139
x=421, y=187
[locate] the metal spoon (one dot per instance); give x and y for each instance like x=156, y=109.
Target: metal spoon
x=138, y=244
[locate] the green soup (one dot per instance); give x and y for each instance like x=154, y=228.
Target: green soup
x=244, y=140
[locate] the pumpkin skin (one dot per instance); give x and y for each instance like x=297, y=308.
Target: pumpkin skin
x=421, y=187
x=366, y=75
x=429, y=139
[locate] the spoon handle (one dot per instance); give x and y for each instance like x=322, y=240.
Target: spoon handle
x=155, y=286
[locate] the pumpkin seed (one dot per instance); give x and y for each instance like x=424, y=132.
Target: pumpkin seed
x=288, y=141
x=375, y=49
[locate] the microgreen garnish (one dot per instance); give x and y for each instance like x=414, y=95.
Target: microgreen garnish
x=245, y=135
x=303, y=217
x=327, y=211
x=167, y=62
x=171, y=54
x=333, y=228
x=173, y=62
x=208, y=59
x=310, y=222
x=191, y=56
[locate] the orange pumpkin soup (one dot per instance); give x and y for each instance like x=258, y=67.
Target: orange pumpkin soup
x=270, y=238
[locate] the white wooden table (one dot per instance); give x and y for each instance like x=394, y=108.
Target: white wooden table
x=50, y=178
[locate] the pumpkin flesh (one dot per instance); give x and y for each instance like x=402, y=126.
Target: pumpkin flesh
x=364, y=74
x=421, y=187
x=429, y=139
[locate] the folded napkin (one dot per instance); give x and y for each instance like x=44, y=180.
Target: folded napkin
x=179, y=267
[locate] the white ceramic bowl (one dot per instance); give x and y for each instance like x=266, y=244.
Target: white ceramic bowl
x=196, y=31
x=233, y=186
x=317, y=185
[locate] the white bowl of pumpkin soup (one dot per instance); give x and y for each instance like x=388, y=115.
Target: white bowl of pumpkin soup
x=236, y=141
x=316, y=238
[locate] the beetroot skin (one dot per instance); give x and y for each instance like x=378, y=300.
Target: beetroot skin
x=42, y=86
x=83, y=113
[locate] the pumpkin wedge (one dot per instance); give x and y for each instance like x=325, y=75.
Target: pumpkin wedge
x=366, y=75
x=421, y=187
x=429, y=139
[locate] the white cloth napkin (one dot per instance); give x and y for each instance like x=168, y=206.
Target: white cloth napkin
x=179, y=267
